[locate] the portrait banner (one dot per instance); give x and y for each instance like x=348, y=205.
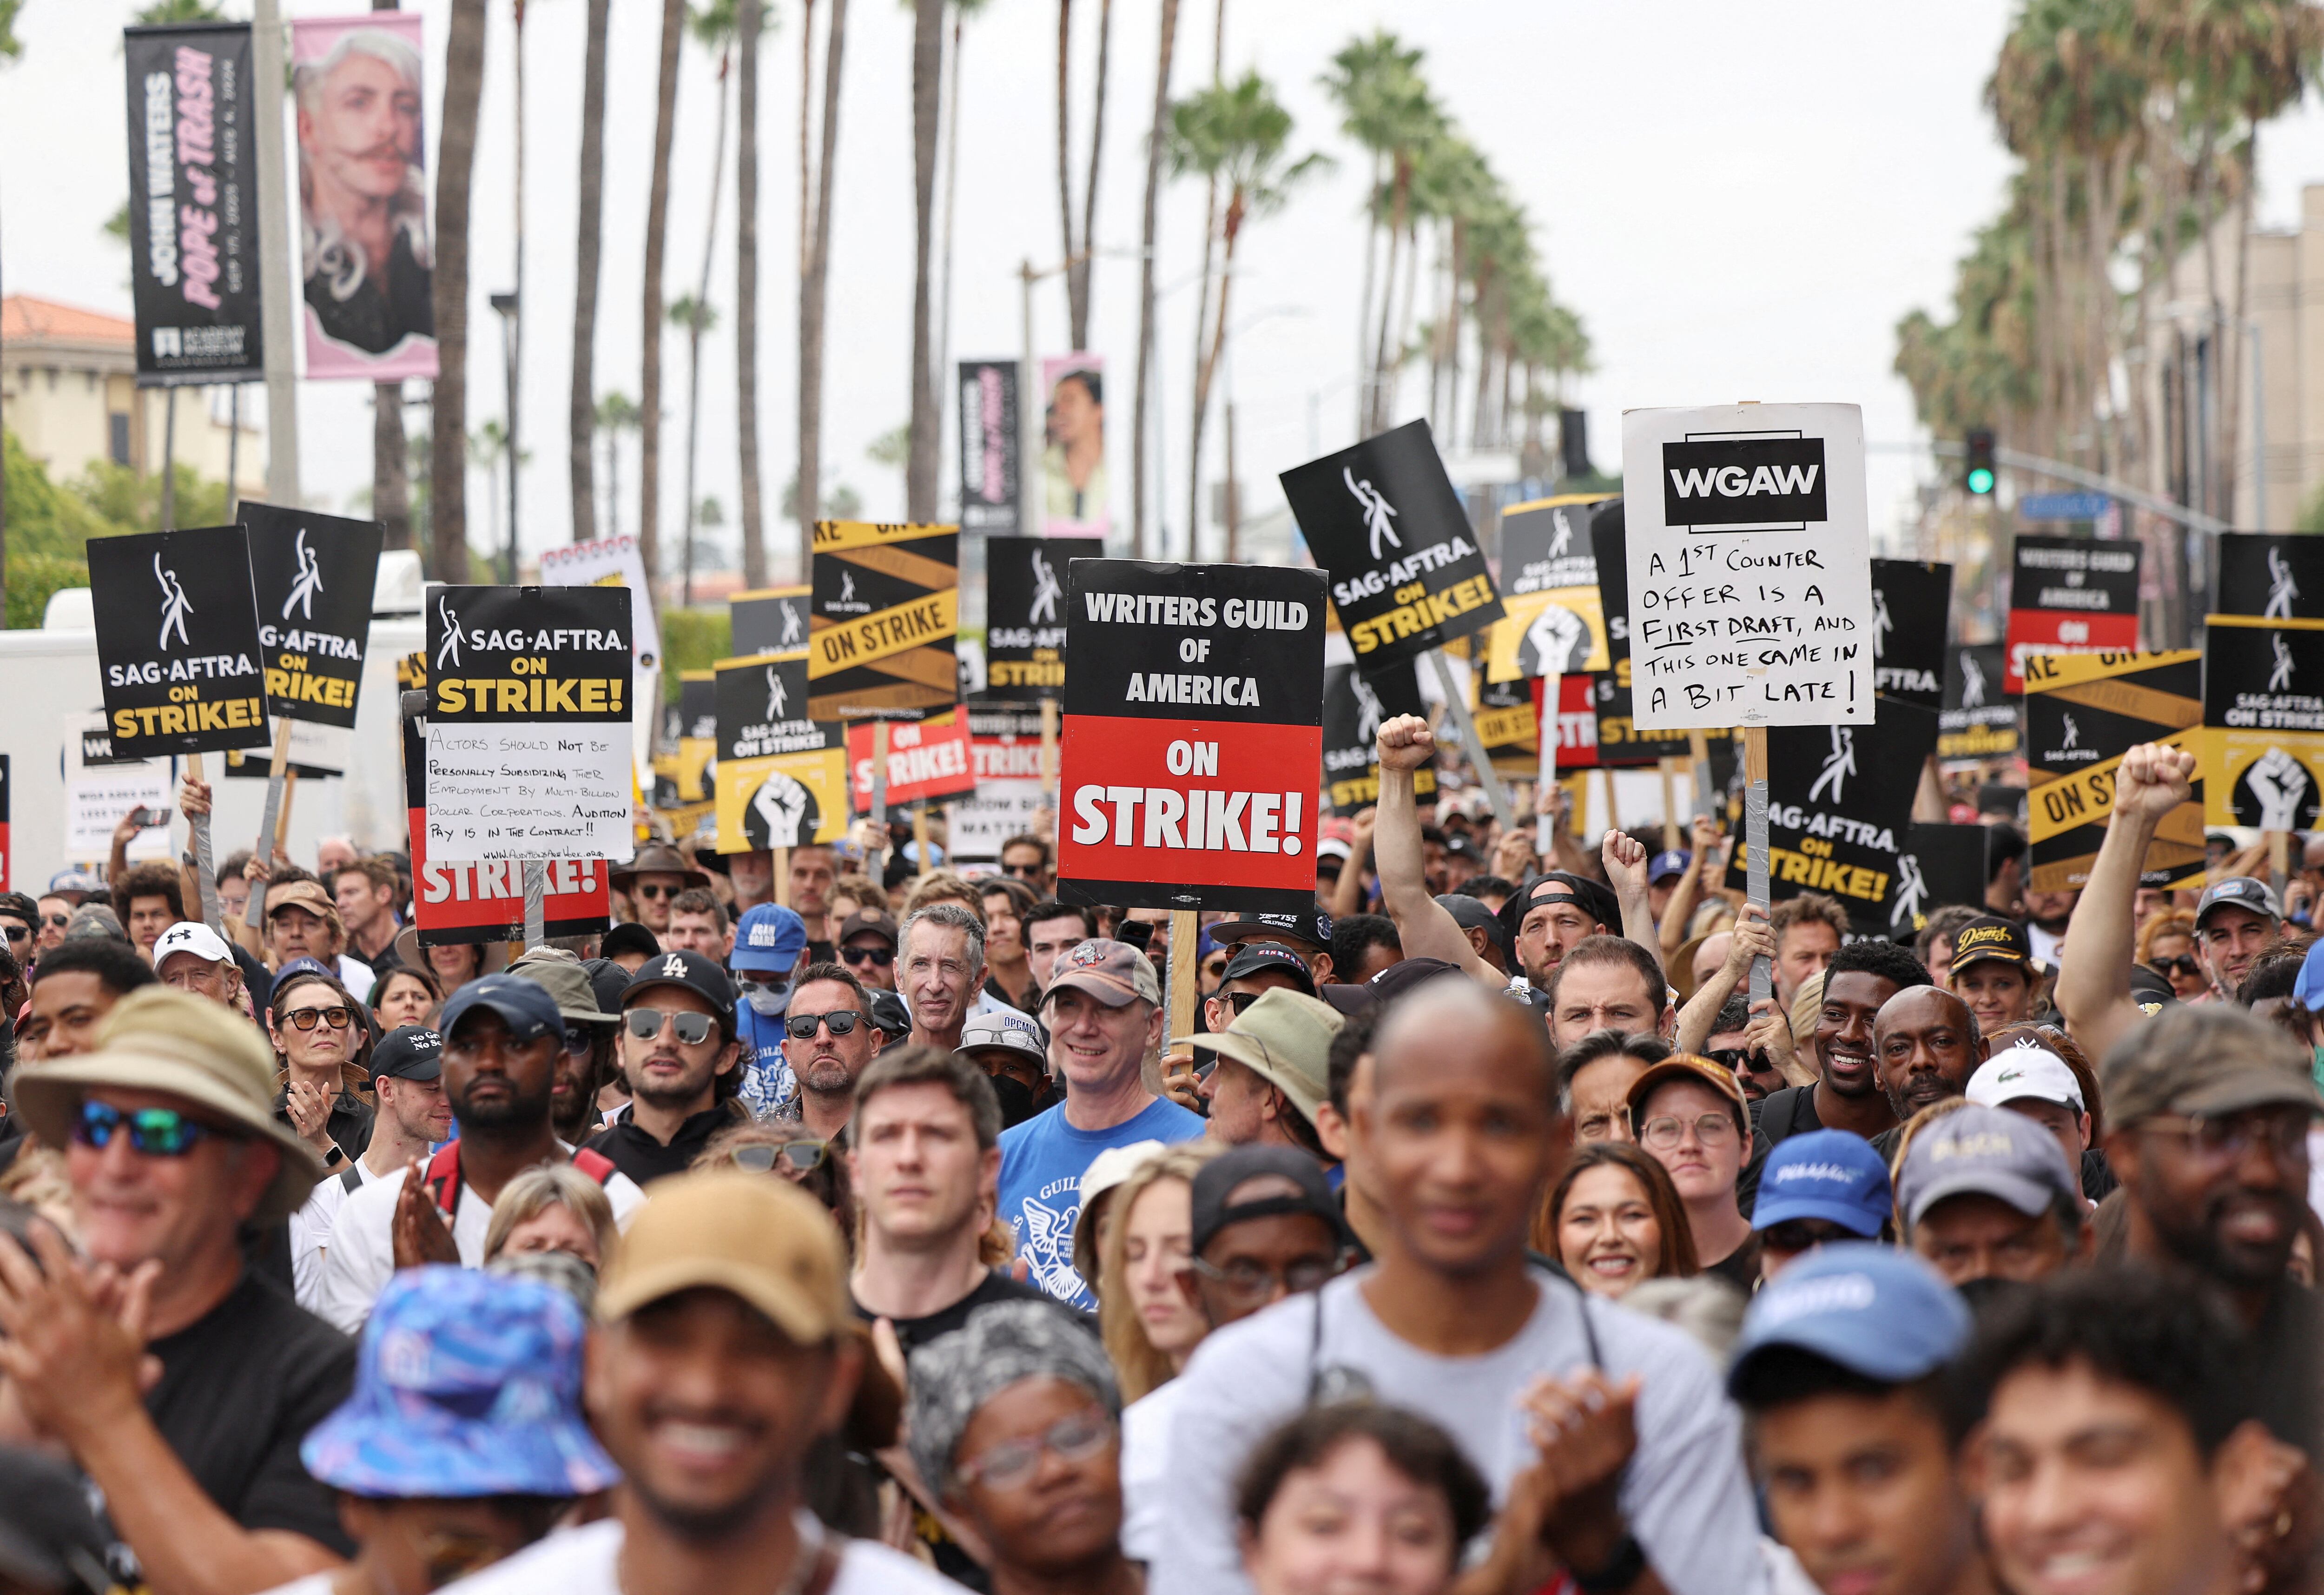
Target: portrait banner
x=990, y=439
x=1072, y=447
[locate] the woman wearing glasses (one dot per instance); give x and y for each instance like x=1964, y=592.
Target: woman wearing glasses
x=322, y=1040
x=2166, y=944
x=780, y=1147
x=1689, y=1114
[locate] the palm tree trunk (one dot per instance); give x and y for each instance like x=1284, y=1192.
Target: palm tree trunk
x=456, y=160
x=1155, y=139
x=391, y=465
x=746, y=298
x=1084, y=269
x=1364, y=304
x=2233, y=341
x=811, y=298
x=673, y=33
x=1203, y=310
x=1065, y=177
x=939, y=373
x=806, y=141
x=694, y=366
x=516, y=322
x=926, y=426
x=1381, y=396
x=581, y=412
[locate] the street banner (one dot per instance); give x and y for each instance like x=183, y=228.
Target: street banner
x=1978, y=721
x=365, y=260
x=193, y=203
x=886, y=606
x=528, y=723
x=312, y=575
x=1354, y=705
x=610, y=562
x=1912, y=600
x=1553, y=621
x=1005, y=747
x=926, y=759
x=1750, y=581
x=1383, y=520
x=2263, y=722
x=991, y=437
x=1942, y=865
x=769, y=620
x=1509, y=726
x=1621, y=744
x=1839, y=800
x=1024, y=614
x=2069, y=595
x=101, y=788
x=781, y=777
x=177, y=638
x=697, y=731
x=1072, y=449
x=2083, y=712
x=2277, y=575
x=462, y=900
x=1193, y=736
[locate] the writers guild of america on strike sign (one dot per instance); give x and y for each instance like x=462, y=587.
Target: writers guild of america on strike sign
x=1750, y=567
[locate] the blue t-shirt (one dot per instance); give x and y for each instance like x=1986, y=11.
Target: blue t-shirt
x=1041, y=1165
x=767, y=1085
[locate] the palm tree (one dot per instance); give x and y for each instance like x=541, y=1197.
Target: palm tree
x=814, y=221
x=611, y=417
x=673, y=29
x=697, y=316
x=961, y=11
x=893, y=449
x=456, y=160
x=486, y=449
x=1157, y=140
x=1080, y=249
x=925, y=430
x=747, y=16
x=391, y=465
x=1373, y=81
x=1235, y=134
x=714, y=28
x=580, y=414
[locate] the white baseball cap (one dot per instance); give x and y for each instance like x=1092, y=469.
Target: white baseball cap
x=2025, y=1070
x=192, y=935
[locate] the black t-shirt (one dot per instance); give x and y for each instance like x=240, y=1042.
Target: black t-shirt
x=240, y=1388
x=1778, y=1116
x=912, y=1334
x=2287, y=1350
x=350, y=1122
x=1739, y=1268
x=632, y=1148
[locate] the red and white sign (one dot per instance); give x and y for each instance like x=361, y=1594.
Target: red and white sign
x=459, y=900
x=1577, y=719
x=2062, y=631
x=1190, y=803
x=926, y=759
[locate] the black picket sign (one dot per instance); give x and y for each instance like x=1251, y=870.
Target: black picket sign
x=312, y=575
x=177, y=639
x=768, y=620
x=1911, y=600
x=1354, y=705
x=1025, y=614
x=516, y=654
x=2277, y=575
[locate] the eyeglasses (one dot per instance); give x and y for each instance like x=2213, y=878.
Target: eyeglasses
x=761, y=1155
x=59, y=920
x=2229, y=1137
x=646, y=1023
x=1737, y=1060
x=1011, y=1464
x=307, y=1018
x=1713, y=1130
x=801, y=1027
x=157, y=1132
x=1022, y=872
x=1242, y=1000
x=15, y=933
x=1249, y=1280
x=877, y=957
x=654, y=893
x=2182, y=964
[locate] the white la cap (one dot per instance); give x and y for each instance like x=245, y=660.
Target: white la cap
x=192, y=935
x=2024, y=1070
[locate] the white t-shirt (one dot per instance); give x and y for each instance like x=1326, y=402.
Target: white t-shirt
x=310, y=1232
x=581, y=1561
x=314, y=1583
x=1149, y=1501
x=360, y=1254
x=357, y=976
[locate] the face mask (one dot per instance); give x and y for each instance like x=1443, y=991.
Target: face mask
x=767, y=1002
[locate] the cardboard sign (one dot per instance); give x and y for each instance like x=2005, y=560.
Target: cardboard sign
x=1354, y=705
x=2277, y=575
x=312, y=575
x=461, y=901
x=886, y=605
x=990, y=439
x=177, y=641
x=1978, y=720
x=2263, y=722
x=2083, y=712
x=1621, y=743
x=1840, y=799
x=769, y=620
x=1554, y=621
x=1750, y=582
x=1193, y=736
x=1940, y=865
x=926, y=759
x=1383, y=518
x=2069, y=595
x=697, y=731
x=782, y=778
x=1005, y=749
x=1024, y=613
x=529, y=728
x=1912, y=600
x=610, y=562
x=100, y=792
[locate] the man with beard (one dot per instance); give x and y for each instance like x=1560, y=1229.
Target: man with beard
x=652, y=882
x=583, y=1062
x=812, y=875
x=2047, y=915
x=828, y=1041
x=2237, y=921
x=1606, y=982
x=943, y=965
x=680, y=1054
x=361, y=195
x=1926, y=1043
x=501, y=1035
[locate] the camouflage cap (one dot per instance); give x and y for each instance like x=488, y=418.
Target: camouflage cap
x=2204, y=1060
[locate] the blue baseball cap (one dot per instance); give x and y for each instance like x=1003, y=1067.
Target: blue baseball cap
x=526, y=1008
x=305, y=965
x=1826, y=1174
x=1879, y=1312
x=769, y=939
x=1664, y=865
x=467, y=1384
x=2308, y=990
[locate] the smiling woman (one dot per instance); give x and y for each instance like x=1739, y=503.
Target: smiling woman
x=1614, y=1220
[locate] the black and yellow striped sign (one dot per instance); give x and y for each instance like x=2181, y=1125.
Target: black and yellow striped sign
x=886, y=609
x=2083, y=712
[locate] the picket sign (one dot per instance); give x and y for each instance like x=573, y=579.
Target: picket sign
x=1544, y=824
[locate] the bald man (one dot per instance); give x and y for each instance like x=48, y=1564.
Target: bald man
x=1925, y=1045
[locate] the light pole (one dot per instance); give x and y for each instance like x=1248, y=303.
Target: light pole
x=505, y=306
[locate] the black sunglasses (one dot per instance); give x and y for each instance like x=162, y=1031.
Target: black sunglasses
x=761, y=1156
x=2182, y=964
x=801, y=1027
x=15, y=933
x=655, y=892
x=1735, y=1059
x=877, y=957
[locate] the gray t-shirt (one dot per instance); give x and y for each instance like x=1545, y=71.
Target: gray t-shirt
x=1685, y=1493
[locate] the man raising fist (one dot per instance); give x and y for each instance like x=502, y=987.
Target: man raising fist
x=2094, y=984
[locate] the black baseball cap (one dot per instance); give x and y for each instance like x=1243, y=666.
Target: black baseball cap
x=409, y=1052
x=692, y=972
x=1217, y=1181
x=1590, y=897
x=1470, y=914
x=528, y=1010
x=1311, y=926
x=888, y=1013
x=1260, y=957
x=1991, y=939
x=628, y=936
x=1399, y=978
x=608, y=980
x=2237, y=891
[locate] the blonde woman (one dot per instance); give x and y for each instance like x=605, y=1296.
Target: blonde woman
x=553, y=1208
x=1150, y=1326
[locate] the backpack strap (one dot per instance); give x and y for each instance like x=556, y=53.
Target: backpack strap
x=442, y=1181
x=595, y=1165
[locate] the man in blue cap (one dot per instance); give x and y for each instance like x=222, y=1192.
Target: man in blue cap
x=767, y=943
x=1823, y=1186
x=1838, y=1372
x=502, y=1036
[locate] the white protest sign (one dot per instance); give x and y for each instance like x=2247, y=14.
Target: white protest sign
x=540, y=791
x=1749, y=555
x=97, y=796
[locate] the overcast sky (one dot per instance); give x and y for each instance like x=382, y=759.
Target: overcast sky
x=1739, y=201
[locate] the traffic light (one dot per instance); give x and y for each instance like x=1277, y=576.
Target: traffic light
x=1978, y=477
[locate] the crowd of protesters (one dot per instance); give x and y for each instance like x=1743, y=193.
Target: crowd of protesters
x=875, y=1229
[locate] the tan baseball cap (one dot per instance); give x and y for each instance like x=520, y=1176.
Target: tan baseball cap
x=307, y=894
x=1114, y=973
x=761, y=1239
x=1686, y=1066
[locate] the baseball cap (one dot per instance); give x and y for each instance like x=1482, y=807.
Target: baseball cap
x=1664, y=865
x=22, y=906
x=862, y=920
x=1470, y=914
x=73, y=884
x=1259, y=957
x=1401, y=978
x=1311, y=926
x=2208, y=1060
x=1012, y=1032
x=606, y=979
x=466, y=1383
x=1114, y=973
x=559, y=973
x=409, y=1052
x=2237, y=891
x=301, y=894
x=1986, y=1151
x=2308, y=990
x=95, y=919
x=1703, y=1071
x=769, y=940
x=192, y=935
x=694, y=973
x=1590, y=897
x=1217, y=1181
x=767, y=1241
x=528, y=1010
x=2024, y=1070
x=1333, y=847
x=1286, y=1039
x=1990, y=939
x=888, y=1013
x=1826, y=1174
x=628, y=936
x=1108, y=1169
x=1878, y=1312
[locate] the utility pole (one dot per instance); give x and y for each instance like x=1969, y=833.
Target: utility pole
x=276, y=289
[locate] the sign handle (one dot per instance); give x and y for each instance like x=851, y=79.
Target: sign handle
x=781, y=874
x=536, y=888
x=880, y=772
x=1185, y=930
x=1613, y=808
x=205, y=870
x=1546, y=731
x=1668, y=768
x=1755, y=844
x=1458, y=707
x=255, y=915
x=920, y=837
x=1049, y=748
x=1698, y=750
x=2278, y=860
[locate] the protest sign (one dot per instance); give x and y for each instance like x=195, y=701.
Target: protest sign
x=931, y=758
x=610, y=562
x=528, y=727
x=769, y=620
x=193, y=203
x=2069, y=595
x=1193, y=736
x=1940, y=865
x=1620, y=743
x=886, y=605
x=177, y=640
x=1072, y=449
x=101, y=786
x=697, y=731
x=1024, y=614
x=1509, y=726
x=1750, y=568
x=312, y=575
x=991, y=437
x=1005, y=748
x=781, y=777
x=1978, y=720
x=1577, y=719
x=2277, y=575
x=1383, y=520
x=2083, y=712
x=1553, y=620
x=461, y=901
x=1354, y=705
x=2263, y=722
x=1912, y=601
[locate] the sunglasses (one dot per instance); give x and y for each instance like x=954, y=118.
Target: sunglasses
x=760, y=1157
x=2182, y=964
x=307, y=1018
x=59, y=920
x=877, y=957
x=654, y=893
x=15, y=933
x=1735, y=1059
x=646, y=1023
x=1244, y=1000
x=157, y=1132
x=801, y=1027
